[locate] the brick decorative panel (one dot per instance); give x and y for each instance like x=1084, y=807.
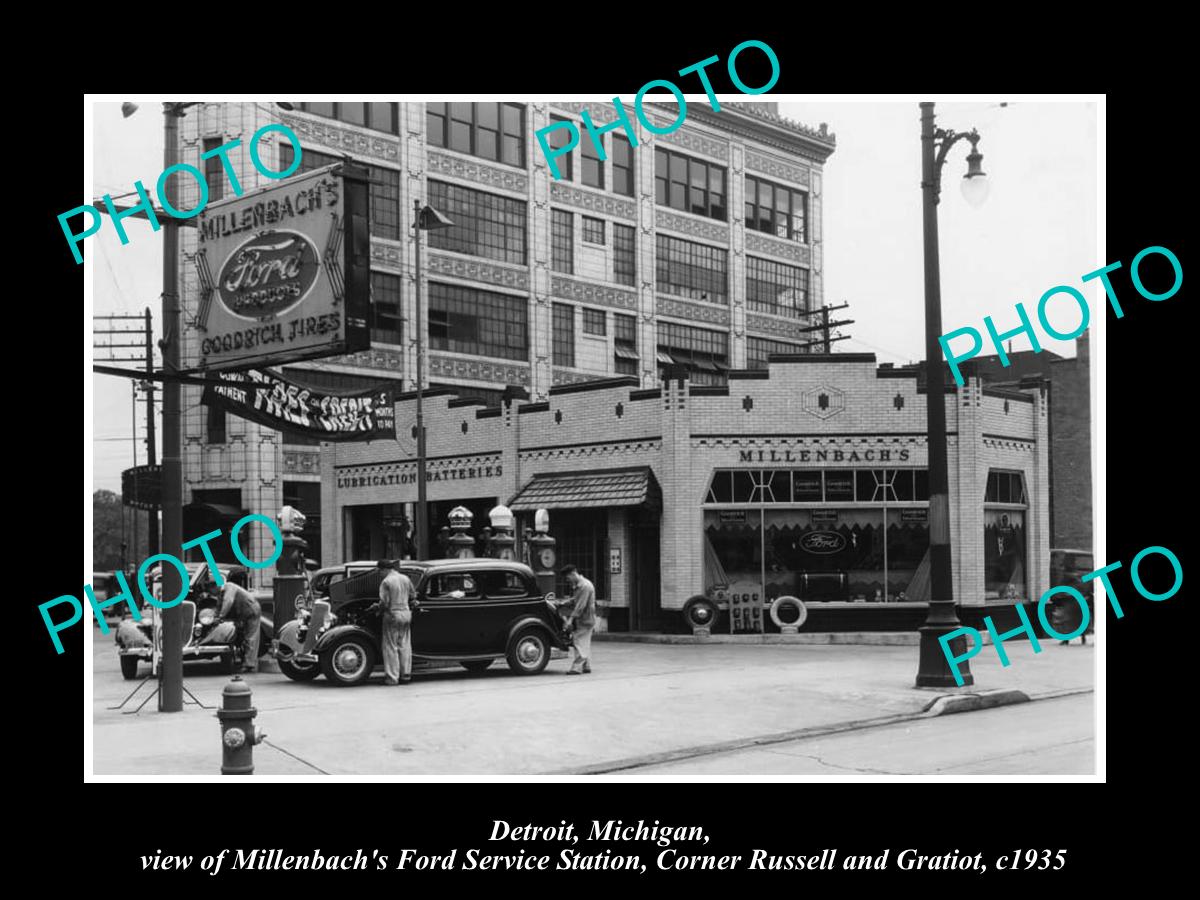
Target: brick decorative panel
x=326, y=134
x=565, y=376
x=634, y=451
x=694, y=312
x=302, y=462
x=766, y=165
x=598, y=203
x=372, y=359
x=789, y=328
x=385, y=255
x=584, y=292
x=477, y=370
x=477, y=270
x=693, y=227
x=469, y=170
x=689, y=139
x=757, y=242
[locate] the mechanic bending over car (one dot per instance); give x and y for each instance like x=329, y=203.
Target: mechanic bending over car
x=240, y=606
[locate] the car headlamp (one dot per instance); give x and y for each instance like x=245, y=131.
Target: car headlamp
x=207, y=616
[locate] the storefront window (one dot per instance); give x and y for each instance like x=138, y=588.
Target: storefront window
x=733, y=565
x=1004, y=537
x=908, y=555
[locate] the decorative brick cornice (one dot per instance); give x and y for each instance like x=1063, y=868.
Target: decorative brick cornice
x=633, y=450
x=478, y=370
x=758, y=242
x=438, y=163
x=375, y=358
x=601, y=203
x=585, y=292
x=695, y=312
x=789, y=328
x=775, y=168
x=385, y=255
x=690, y=139
x=329, y=134
x=566, y=376
x=477, y=270
x=693, y=227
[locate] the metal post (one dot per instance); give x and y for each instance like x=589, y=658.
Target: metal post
x=151, y=450
x=825, y=326
x=422, y=508
x=934, y=669
x=170, y=696
x=133, y=418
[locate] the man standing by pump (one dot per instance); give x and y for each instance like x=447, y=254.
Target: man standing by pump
x=580, y=618
x=395, y=599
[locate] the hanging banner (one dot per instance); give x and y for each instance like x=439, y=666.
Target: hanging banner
x=268, y=399
x=285, y=272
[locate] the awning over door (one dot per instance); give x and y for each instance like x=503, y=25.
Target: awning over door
x=581, y=490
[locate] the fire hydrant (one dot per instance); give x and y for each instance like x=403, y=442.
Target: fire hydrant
x=238, y=733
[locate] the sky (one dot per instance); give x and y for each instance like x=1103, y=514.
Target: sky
x=1037, y=229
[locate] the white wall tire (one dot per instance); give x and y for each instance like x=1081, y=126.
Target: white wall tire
x=788, y=613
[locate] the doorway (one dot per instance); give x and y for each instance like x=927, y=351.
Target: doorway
x=645, y=602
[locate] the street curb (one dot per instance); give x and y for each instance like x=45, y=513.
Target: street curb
x=944, y=705
x=868, y=638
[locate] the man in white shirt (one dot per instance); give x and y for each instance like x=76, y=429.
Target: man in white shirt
x=395, y=593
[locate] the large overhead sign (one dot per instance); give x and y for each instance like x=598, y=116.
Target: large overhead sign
x=285, y=272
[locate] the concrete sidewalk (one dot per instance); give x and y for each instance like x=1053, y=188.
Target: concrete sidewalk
x=643, y=702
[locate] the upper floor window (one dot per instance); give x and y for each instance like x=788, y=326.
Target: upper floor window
x=622, y=165
x=705, y=353
x=377, y=116
x=776, y=288
x=594, y=321
x=1004, y=487
x=385, y=308
x=484, y=224
x=774, y=209
x=593, y=230
x=593, y=168
x=691, y=185
x=483, y=323
x=558, y=140
x=562, y=241
x=625, y=344
x=758, y=349
x=563, y=325
x=494, y=131
x=692, y=270
x=624, y=254
x=214, y=173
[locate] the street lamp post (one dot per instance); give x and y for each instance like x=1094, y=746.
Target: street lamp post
x=424, y=219
x=934, y=668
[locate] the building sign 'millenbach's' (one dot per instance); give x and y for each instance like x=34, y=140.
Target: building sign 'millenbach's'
x=406, y=473
x=802, y=456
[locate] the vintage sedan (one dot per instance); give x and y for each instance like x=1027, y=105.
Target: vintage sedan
x=468, y=611
x=205, y=636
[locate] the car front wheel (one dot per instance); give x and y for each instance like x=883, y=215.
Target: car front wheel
x=529, y=652
x=297, y=671
x=348, y=660
x=129, y=667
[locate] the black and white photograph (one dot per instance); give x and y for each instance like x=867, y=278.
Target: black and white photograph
x=600, y=434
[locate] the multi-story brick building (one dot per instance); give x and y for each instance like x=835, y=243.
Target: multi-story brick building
x=700, y=249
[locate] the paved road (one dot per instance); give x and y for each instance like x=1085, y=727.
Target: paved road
x=1048, y=737
x=643, y=699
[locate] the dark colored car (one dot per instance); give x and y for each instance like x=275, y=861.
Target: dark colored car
x=468, y=611
x=1067, y=568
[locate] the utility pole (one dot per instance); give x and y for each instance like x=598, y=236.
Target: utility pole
x=151, y=451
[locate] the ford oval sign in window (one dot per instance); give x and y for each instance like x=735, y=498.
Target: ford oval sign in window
x=822, y=542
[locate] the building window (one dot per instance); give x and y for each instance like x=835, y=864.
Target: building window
x=481, y=323
x=564, y=335
x=594, y=321
x=562, y=241
x=819, y=485
x=494, y=131
x=484, y=224
x=215, y=426
x=692, y=270
x=776, y=288
x=384, y=188
x=622, y=163
x=1005, y=572
x=593, y=168
x=691, y=185
x=758, y=349
x=704, y=352
x=774, y=209
x=385, y=309
x=214, y=171
x=624, y=258
x=558, y=140
x=376, y=116
x=593, y=230
x=1004, y=487
x=625, y=343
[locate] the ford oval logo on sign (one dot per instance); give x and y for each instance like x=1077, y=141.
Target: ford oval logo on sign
x=268, y=274
x=822, y=542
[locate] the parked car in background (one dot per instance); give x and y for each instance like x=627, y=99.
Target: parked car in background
x=468, y=611
x=1067, y=568
x=206, y=636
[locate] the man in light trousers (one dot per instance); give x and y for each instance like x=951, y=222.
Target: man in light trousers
x=395, y=593
x=582, y=615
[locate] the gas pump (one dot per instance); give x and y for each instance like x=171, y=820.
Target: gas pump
x=290, y=584
x=501, y=540
x=460, y=544
x=542, y=556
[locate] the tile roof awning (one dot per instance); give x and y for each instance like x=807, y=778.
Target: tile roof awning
x=594, y=489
